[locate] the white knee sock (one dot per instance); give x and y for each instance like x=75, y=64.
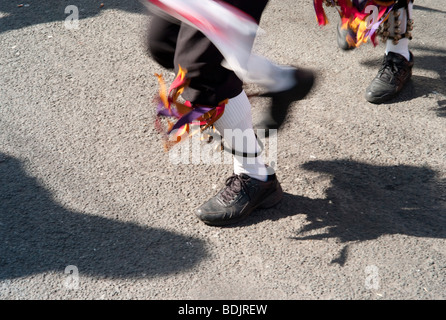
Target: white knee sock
x=402, y=47
x=236, y=127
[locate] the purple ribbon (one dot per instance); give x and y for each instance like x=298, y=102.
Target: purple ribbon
x=194, y=114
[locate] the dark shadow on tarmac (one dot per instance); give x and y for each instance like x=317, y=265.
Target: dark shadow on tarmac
x=441, y=110
x=365, y=202
x=421, y=8
x=38, y=235
x=37, y=11
x=32, y=12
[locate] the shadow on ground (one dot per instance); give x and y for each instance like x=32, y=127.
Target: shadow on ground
x=365, y=202
x=421, y=8
x=38, y=235
x=441, y=110
x=19, y=15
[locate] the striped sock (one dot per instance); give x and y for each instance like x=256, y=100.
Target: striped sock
x=402, y=47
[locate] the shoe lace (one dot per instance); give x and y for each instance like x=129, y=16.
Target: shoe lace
x=233, y=186
x=390, y=70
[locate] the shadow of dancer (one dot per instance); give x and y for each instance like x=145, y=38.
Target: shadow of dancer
x=38, y=235
x=365, y=202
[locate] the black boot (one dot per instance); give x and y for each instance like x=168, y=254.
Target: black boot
x=238, y=198
x=395, y=72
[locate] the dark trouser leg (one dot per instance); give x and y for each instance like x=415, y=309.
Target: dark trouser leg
x=162, y=41
x=210, y=82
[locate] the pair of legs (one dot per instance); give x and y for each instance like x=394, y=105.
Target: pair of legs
x=253, y=185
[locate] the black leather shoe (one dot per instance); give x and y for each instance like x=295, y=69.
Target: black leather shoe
x=240, y=196
x=395, y=72
x=278, y=110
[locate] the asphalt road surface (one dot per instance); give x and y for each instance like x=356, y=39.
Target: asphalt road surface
x=91, y=207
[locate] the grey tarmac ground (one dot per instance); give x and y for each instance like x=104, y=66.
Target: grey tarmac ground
x=86, y=189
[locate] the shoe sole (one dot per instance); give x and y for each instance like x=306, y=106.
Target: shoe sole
x=380, y=99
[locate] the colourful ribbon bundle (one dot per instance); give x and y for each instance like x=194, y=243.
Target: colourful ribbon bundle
x=361, y=17
x=185, y=113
